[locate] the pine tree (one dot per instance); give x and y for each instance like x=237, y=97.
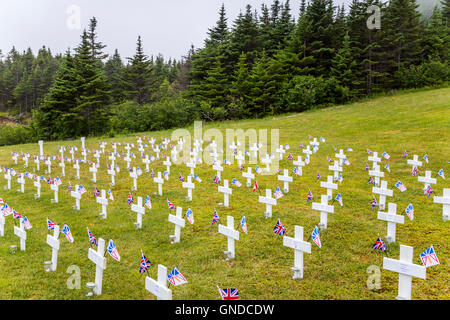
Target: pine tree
x=344, y=66
x=241, y=87
x=446, y=11
x=137, y=81
x=219, y=33
x=114, y=69
x=434, y=44
x=95, y=46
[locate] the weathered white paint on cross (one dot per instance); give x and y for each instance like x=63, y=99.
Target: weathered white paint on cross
x=55, y=188
x=249, y=175
x=330, y=186
x=376, y=173
x=77, y=196
x=160, y=181
x=336, y=169
x=286, y=179
x=179, y=223
x=427, y=180
x=232, y=236
x=341, y=156
x=406, y=270
x=189, y=185
x=324, y=209
x=159, y=288
x=21, y=181
x=93, y=169
x=226, y=192
x=445, y=201
x=104, y=202
x=140, y=211
x=98, y=258
x=76, y=166
x=384, y=192
x=392, y=219
x=53, y=242
x=22, y=234
x=269, y=202
x=300, y=246
x=415, y=161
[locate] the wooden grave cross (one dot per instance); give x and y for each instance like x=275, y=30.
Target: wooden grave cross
x=232, y=235
x=384, y=192
x=159, y=288
x=324, y=209
x=98, y=258
x=140, y=211
x=189, y=185
x=53, y=242
x=160, y=181
x=330, y=186
x=179, y=223
x=427, y=180
x=286, y=179
x=226, y=192
x=300, y=246
x=445, y=201
x=249, y=175
x=392, y=219
x=104, y=202
x=269, y=202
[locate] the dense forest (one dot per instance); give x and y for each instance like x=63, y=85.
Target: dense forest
x=268, y=60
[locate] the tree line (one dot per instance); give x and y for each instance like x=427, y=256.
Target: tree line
x=265, y=62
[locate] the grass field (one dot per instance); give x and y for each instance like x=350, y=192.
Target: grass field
x=417, y=122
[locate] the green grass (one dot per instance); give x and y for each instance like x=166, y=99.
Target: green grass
x=417, y=122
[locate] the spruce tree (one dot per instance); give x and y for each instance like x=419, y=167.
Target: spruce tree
x=96, y=47
x=114, y=72
x=344, y=66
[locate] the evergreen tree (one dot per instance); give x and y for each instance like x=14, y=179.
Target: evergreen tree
x=434, y=42
x=96, y=47
x=137, y=80
x=114, y=69
x=446, y=11
x=344, y=66
x=219, y=33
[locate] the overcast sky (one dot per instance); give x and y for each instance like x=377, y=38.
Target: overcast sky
x=168, y=27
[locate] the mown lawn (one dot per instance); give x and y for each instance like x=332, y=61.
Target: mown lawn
x=416, y=122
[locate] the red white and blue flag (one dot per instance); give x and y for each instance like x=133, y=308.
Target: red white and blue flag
x=339, y=199
x=429, y=257
x=410, y=211
x=374, y=203
x=429, y=191
x=277, y=193
x=176, y=278
x=216, y=180
x=405, y=154
x=50, y=224
x=181, y=178
x=190, y=215
x=148, y=202
x=92, y=239
x=26, y=223
x=309, y=197
x=215, y=217
x=414, y=171
x=145, y=264
x=371, y=180
x=96, y=192
x=112, y=250
x=400, y=186
x=279, y=228
x=111, y=197
x=258, y=170
x=236, y=182
x=81, y=189
x=379, y=245
x=67, y=233
x=197, y=178
x=244, y=224
x=315, y=236
x=386, y=155
x=229, y=294
x=130, y=198
x=441, y=173
x=171, y=206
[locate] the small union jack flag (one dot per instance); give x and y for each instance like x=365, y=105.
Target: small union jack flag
x=96, y=192
x=216, y=180
x=148, y=202
x=414, y=171
x=190, y=216
x=26, y=223
x=379, y=245
x=229, y=294
x=92, y=239
x=67, y=233
x=309, y=196
x=145, y=264
x=371, y=180
x=410, y=211
x=171, y=206
x=318, y=176
x=50, y=224
x=255, y=186
x=405, y=154
x=215, y=217
x=374, y=203
x=16, y=215
x=279, y=228
x=181, y=178
x=130, y=198
x=429, y=191
x=290, y=157
x=244, y=224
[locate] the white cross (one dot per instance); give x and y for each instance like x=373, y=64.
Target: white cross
x=231, y=234
x=240, y=158
x=127, y=159
x=157, y=150
x=104, y=202
x=218, y=169
x=179, y=223
x=415, y=162
x=133, y=174
x=63, y=167
x=267, y=161
x=392, y=219
x=427, y=180
x=98, y=258
x=21, y=181
x=83, y=139
x=341, y=156
x=226, y=192
x=97, y=156
x=374, y=158
x=25, y=158
x=112, y=157
x=22, y=234
x=8, y=179
x=72, y=152
x=376, y=173
x=307, y=151
x=324, y=209
x=300, y=246
x=191, y=164
x=254, y=149
x=2, y=225
x=336, y=169
x=84, y=154
x=167, y=163
x=280, y=150
x=53, y=242
x=384, y=192
x=269, y=201
x=140, y=210
x=112, y=173
x=55, y=188
x=146, y=161
x=249, y=175
x=41, y=147
x=37, y=184
x=160, y=182
x=189, y=185
x=445, y=201
x=49, y=165
x=315, y=145
x=233, y=146
x=174, y=153
x=406, y=270
x=286, y=179
x=93, y=169
x=330, y=186
x=159, y=288
x=300, y=164
x=127, y=147
x=77, y=167
x=14, y=157
x=75, y=194
x=37, y=162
